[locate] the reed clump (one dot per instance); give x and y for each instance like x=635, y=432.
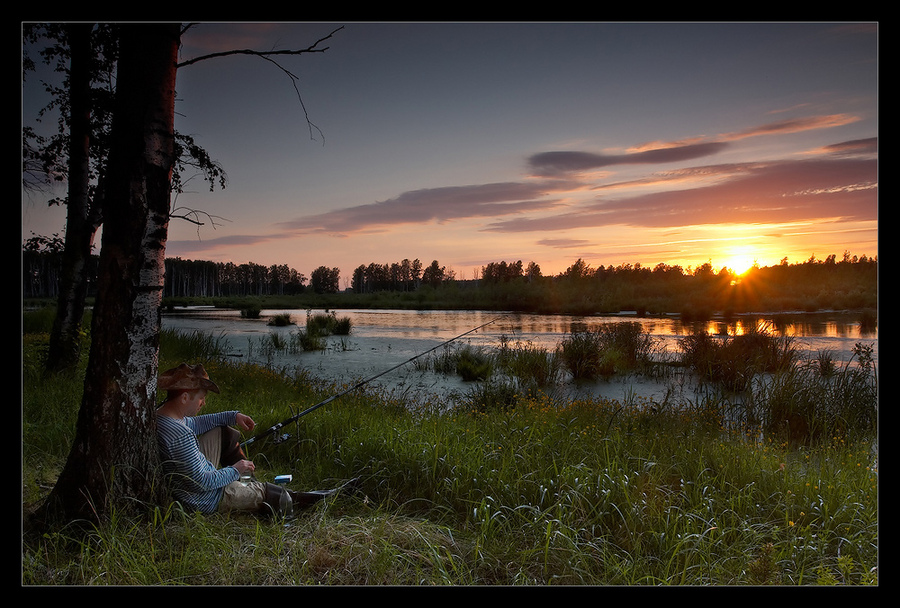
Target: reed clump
x=312, y=337
x=808, y=404
x=733, y=361
x=531, y=366
x=607, y=350
x=582, y=355
x=251, y=310
x=282, y=319
x=803, y=401
x=327, y=324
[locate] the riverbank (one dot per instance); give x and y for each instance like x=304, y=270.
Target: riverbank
x=584, y=492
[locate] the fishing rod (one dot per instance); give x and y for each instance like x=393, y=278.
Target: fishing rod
x=295, y=417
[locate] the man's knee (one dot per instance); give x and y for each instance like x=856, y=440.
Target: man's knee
x=231, y=447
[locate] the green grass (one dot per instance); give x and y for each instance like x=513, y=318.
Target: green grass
x=536, y=491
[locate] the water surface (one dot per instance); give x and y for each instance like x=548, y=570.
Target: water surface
x=382, y=339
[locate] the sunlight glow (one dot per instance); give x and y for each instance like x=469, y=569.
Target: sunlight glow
x=740, y=260
x=741, y=265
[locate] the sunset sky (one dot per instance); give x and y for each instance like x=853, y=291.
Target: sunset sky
x=470, y=143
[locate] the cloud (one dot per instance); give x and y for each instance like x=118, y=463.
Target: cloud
x=564, y=243
x=559, y=163
x=436, y=205
x=184, y=247
x=792, y=125
x=806, y=190
x=856, y=146
x=706, y=194
x=678, y=177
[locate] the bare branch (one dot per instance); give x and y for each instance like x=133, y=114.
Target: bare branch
x=194, y=216
x=294, y=78
x=310, y=49
x=267, y=55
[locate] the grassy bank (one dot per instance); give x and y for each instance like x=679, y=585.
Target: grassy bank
x=535, y=492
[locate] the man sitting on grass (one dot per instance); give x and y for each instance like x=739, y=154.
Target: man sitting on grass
x=201, y=454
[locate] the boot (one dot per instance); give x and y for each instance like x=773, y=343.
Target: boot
x=277, y=501
x=306, y=499
x=301, y=500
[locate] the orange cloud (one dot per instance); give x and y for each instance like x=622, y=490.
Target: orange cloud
x=792, y=125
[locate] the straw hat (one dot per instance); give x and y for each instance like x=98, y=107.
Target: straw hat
x=186, y=377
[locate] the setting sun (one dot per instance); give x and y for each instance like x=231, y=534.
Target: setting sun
x=739, y=262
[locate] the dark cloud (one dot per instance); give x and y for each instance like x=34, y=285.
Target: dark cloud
x=856, y=146
x=564, y=243
x=563, y=162
x=194, y=246
x=549, y=164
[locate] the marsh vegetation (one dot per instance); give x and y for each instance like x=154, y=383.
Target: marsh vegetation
x=770, y=481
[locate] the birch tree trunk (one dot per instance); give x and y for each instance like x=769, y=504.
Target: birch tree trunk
x=113, y=460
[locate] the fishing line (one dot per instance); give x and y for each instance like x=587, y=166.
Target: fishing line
x=273, y=429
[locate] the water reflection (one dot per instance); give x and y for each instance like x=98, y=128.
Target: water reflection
x=407, y=332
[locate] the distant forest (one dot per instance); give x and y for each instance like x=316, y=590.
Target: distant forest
x=850, y=282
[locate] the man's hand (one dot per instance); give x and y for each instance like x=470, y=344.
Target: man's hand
x=244, y=466
x=245, y=422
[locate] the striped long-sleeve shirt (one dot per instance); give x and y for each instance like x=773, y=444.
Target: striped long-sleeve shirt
x=192, y=479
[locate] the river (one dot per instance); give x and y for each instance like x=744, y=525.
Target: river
x=385, y=339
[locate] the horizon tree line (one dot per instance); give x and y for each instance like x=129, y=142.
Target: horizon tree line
x=41, y=259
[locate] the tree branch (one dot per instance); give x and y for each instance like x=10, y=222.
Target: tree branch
x=310, y=49
x=267, y=55
x=193, y=216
